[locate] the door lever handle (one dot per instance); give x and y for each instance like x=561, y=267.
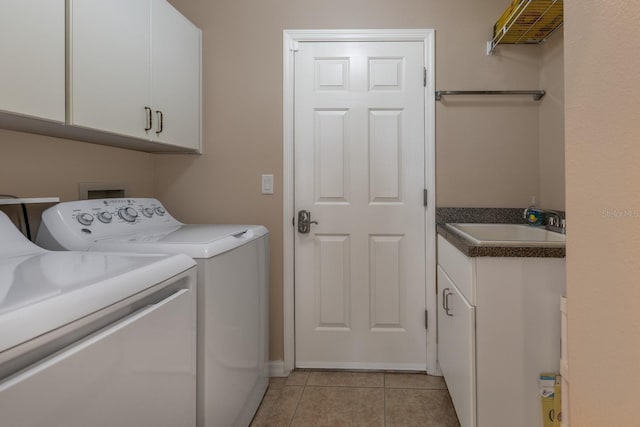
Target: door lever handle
x=304, y=221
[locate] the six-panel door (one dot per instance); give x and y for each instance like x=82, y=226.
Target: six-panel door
x=360, y=171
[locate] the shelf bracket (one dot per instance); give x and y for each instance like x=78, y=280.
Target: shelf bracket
x=537, y=94
x=490, y=47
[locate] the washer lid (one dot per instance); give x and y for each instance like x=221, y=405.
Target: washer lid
x=196, y=240
x=43, y=291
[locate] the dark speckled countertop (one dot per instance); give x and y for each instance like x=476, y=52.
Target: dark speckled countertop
x=490, y=216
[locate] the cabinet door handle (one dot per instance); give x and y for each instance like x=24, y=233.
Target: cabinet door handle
x=160, y=122
x=445, y=301
x=149, y=119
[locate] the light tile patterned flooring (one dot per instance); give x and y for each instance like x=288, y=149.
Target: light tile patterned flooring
x=328, y=398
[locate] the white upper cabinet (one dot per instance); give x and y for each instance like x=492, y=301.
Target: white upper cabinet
x=110, y=65
x=32, y=51
x=175, y=76
x=135, y=71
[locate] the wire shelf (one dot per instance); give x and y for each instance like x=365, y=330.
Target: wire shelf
x=527, y=22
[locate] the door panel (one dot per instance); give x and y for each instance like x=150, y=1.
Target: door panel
x=386, y=284
x=359, y=168
x=331, y=172
x=333, y=282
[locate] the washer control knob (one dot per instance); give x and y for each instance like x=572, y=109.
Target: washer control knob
x=105, y=217
x=148, y=212
x=128, y=214
x=85, y=218
x=160, y=210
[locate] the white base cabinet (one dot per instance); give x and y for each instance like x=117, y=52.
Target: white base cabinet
x=32, y=75
x=498, y=329
x=457, y=347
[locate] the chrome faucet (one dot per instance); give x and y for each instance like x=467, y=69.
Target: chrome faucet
x=553, y=221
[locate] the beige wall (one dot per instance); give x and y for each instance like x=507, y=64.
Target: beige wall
x=40, y=166
x=551, y=148
x=603, y=205
x=487, y=149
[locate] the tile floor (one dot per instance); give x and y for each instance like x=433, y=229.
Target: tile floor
x=327, y=398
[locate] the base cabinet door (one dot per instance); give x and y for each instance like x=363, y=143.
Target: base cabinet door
x=457, y=348
x=32, y=48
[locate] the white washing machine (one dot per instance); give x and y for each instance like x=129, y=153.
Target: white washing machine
x=232, y=290
x=95, y=339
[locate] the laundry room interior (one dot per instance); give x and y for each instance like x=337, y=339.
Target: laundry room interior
x=574, y=151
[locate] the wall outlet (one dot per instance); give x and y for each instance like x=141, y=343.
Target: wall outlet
x=267, y=184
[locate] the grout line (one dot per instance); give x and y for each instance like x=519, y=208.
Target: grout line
x=384, y=399
x=293, y=416
x=344, y=386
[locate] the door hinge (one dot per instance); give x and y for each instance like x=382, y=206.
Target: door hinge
x=425, y=197
x=424, y=77
x=294, y=46
x=426, y=319
x=293, y=221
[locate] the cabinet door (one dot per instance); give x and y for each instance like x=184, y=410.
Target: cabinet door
x=110, y=65
x=176, y=52
x=457, y=348
x=32, y=75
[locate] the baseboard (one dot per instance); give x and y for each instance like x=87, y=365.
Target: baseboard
x=276, y=369
x=359, y=366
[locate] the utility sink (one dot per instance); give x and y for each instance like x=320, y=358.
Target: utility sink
x=507, y=235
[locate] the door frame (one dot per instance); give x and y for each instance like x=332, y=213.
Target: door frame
x=291, y=38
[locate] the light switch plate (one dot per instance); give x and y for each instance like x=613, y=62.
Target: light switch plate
x=267, y=184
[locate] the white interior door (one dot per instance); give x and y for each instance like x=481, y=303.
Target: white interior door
x=360, y=170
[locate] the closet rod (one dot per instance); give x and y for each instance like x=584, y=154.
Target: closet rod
x=537, y=94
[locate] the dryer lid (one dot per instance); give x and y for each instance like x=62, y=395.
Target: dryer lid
x=199, y=241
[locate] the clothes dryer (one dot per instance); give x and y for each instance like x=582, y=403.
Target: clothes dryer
x=232, y=307
x=95, y=339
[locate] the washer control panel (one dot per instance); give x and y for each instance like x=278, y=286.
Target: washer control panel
x=103, y=218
